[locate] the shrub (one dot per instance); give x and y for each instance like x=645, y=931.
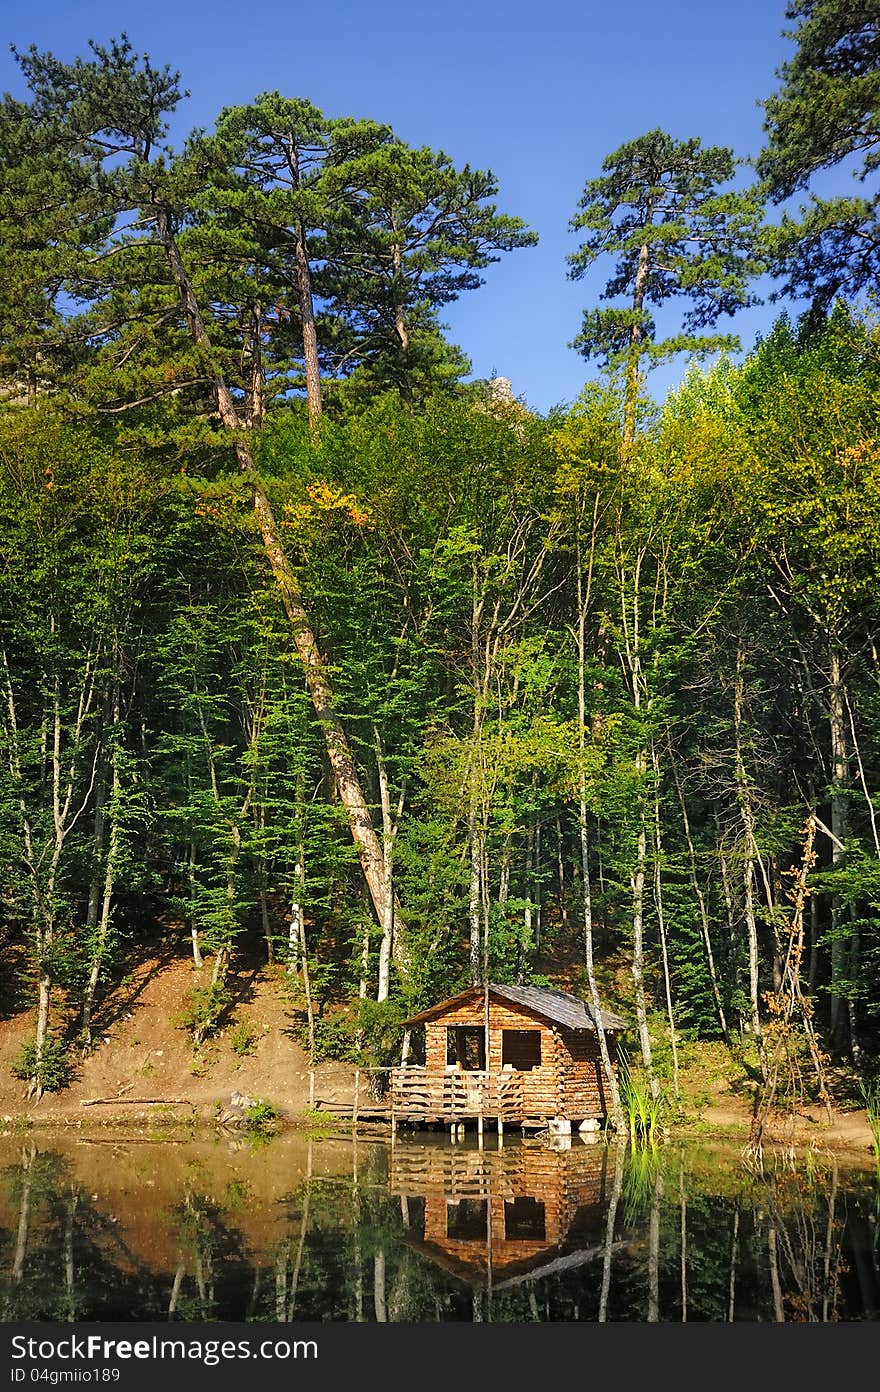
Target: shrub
x=242, y=1039
x=261, y=1116
x=317, y=1121
x=55, y=1068
x=202, y=1012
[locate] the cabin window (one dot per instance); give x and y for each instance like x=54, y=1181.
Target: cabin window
x=416, y=1056
x=412, y=1214
x=521, y=1049
x=466, y=1047
x=467, y=1219
x=524, y=1220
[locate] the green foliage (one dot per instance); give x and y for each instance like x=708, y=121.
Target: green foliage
x=642, y=1108
x=261, y=1116
x=52, y=1072
x=242, y=1039
x=203, y=1011
x=658, y=207
x=825, y=114
x=557, y=665
x=870, y=1091
x=317, y=1122
x=370, y=1035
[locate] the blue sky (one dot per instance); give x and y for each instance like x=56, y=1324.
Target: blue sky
x=539, y=92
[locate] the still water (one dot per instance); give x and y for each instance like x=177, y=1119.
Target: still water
x=297, y=1229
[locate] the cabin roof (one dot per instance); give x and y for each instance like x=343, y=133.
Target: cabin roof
x=558, y=1006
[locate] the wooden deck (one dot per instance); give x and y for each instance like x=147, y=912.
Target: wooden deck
x=418, y=1094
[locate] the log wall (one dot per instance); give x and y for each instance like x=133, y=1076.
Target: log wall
x=568, y=1082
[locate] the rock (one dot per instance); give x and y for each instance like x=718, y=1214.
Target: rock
x=235, y=1111
x=239, y=1101
x=591, y=1124
x=501, y=389
x=559, y=1126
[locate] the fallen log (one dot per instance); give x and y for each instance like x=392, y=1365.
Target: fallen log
x=135, y=1102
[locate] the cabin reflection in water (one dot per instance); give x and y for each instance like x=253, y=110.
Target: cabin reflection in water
x=502, y=1216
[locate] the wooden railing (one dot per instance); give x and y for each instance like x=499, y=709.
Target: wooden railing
x=456, y=1094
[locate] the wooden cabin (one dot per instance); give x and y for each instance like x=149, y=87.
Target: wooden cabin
x=518, y=1055
x=503, y=1216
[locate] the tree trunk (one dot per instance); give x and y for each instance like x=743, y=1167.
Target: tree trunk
x=28, y=1157
x=839, y=829
x=262, y=882
x=390, y=825
x=730, y=910
x=630, y=625
x=592, y=985
x=474, y=897
x=748, y=824
x=309, y=332
x=400, y=324
x=474, y=822
x=734, y=1257
x=635, y=342
x=380, y=1302
x=69, y=1262
x=102, y=927
x=44, y=995
x=653, y=1314
x=704, y=909
x=637, y=885
x=341, y=761
x=255, y=392
x=297, y=911
x=773, y=1264
x=682, y=1199
x=661, y=924
x=617, y=1190
x=303, y=1234
x=198, y=960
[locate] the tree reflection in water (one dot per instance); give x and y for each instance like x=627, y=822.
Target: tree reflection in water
x=426, y=1230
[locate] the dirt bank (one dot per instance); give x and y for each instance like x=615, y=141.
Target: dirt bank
x=140, y=1053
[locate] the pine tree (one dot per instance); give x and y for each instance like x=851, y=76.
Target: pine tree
x=825, y=114
x=413, y=236
x=659, y=208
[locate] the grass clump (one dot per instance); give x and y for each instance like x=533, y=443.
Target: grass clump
x=870, y=1090
x=642, y=1108
x=315, y=1121
x=242, y=1039
x=261, y=1116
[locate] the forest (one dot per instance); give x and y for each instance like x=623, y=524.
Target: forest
x=330, y=657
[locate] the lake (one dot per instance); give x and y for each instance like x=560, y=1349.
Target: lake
x=97, y=1227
